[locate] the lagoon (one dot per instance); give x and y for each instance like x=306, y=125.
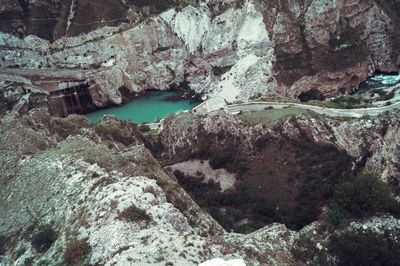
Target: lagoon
x=146, y=108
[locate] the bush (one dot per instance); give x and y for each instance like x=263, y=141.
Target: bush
x=76, y=251
x=219, y=159
x=43, y=238
x=336, y=215
x=134, y=214
x=364, y=194
x=144, y=128
x=359, y=247
x=229, y=159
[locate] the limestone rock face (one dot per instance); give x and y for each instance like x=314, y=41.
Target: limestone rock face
x=236, y=50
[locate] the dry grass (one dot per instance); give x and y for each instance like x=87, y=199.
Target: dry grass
x=269, y=116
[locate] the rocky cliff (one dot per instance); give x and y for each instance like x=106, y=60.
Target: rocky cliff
x=373, y=142
x=79, y=180
x=236, y=50
x=76, y=193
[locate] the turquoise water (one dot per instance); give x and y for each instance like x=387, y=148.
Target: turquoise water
x=146, y=108
x=378, y=81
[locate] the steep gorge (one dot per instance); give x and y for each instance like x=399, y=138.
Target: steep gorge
x=102, y=194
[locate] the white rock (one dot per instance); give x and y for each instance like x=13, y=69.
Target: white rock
x=221, y=262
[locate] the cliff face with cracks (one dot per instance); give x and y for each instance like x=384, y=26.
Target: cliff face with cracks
x=232, y=49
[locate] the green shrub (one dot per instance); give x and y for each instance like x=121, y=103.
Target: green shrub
x=366, y=247
x=229, y=159
x=134, y=214
x=336, y=215
x=43, y=238
x=76, y=251
x=364, y=194
x=144, y=128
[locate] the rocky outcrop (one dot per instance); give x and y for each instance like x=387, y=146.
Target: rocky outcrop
x=78, y=179
x=333, y=45
x=373, y=142
x=233, y=49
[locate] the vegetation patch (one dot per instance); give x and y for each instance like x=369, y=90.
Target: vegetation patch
x=366, y=247
x=218, y=71
x=311, y=95
x=342, y=102
x=269, y=116
x=383, y=94
x=76, y=252
x=134, y=214
x=265, y=191
x=44, y=237
x=364, y=194
x=229, y=159
x=144, y=128
x=186, y=86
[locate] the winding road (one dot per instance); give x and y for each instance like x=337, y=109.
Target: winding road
x=259, y=106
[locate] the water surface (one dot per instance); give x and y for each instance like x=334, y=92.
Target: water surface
x=146, y=108
x=378, y=81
